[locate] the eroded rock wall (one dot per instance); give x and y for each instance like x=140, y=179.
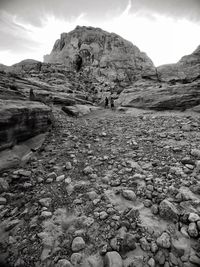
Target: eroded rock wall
x=21, y=120
x=102, y=53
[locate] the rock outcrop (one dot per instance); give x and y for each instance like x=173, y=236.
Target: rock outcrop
x=21, y=120
x=102, y=53
x=160, y=96
x=177, y=87
x=186, y=70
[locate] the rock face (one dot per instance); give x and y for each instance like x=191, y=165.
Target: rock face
x=160, y=96
x=187, y=69
x=26, y=65
x=106, y=54
x=21, y=120
x=176, y=87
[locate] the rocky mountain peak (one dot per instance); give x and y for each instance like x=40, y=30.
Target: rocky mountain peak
x=102, y=53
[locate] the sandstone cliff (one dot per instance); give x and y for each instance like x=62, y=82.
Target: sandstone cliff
x=102, y=53
x=187, y=69
x=21, y=120
x=177, y=87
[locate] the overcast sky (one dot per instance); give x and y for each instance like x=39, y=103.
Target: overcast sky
x=165, y=29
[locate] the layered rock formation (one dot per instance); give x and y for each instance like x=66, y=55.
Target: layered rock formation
x=177, y=87
x=21, y=120
x=160, y=96
x=102, y=53
x=88, y=64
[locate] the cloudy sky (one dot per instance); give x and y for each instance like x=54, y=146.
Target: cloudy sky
x=165, y=29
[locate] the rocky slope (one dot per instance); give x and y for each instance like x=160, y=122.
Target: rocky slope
x=103, y=54
x=109, y=190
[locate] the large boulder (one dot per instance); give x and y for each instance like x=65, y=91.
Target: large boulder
x=160, y=96
x=78, y=110
x=106, y=54
x=21, y=120
x=176, y=87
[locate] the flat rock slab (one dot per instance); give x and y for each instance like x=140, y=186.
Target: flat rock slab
x=78, y=110
x=20, y=153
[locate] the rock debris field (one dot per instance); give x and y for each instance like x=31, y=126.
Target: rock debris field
x=113, y=189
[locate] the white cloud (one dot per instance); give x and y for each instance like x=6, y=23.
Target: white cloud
x=165, y=40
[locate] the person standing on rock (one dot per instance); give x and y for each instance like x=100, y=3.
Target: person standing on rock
x=31, y=95
x=106, y=102
x=112, y=104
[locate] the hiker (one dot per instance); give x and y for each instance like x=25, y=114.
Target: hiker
x=106, y=102
x=31, y=95
x=112, y=103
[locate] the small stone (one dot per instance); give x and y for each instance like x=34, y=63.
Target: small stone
x=129, y=194
x=168, y=210
x=184, y=231
x=19, y=263
x=129, y=242
x=78, y=244
x=160, y=257
x=195, y=153
x=68, y=166
x=144, y=244
x=166, y=264
x=115, y=244
x=147, y=203
x=27, y=185
x=154, y=247
x=193, y=217
x=192, y=229
x=3, y=201
x=92, y=195
x=164, y=240
x=68, y=180
x=46, y=214
x=88, y=170
x=150, y=187
x=103, y=215
x=63, y=263
x=11, y=224
x=60, y=178
x=4, y=186
x=52, y=175
x=113, y=259
x=23, y=173
x=49, y=180
x=173, y=259
x=154, y=209
x=76, y=258
x=151, y=262
x=45, y=202
x=194, y=259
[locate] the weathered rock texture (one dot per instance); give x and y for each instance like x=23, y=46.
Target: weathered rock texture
x=185, y=70
x=161, y=96
x=177, y=87
x=21, y=120
x=102, y=53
